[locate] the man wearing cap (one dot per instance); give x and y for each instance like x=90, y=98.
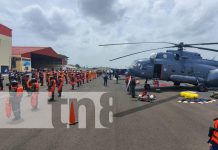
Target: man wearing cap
x=16, y=93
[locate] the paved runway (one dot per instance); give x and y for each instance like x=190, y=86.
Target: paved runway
x=163, y=125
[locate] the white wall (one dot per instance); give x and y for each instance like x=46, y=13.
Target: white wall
x=5, y=50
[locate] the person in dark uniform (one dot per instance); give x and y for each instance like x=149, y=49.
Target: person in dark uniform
x=105, y=77
x=41, y=77
x=16, y=93
x=1, y=82
x=117, y=77
x=132, y=86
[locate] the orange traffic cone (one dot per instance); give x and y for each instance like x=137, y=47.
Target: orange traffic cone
x=72, y=116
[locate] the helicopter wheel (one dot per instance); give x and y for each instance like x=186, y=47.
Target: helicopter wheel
x=176, y=84
x=202, y=88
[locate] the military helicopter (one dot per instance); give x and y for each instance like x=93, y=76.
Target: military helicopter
x=178, y=66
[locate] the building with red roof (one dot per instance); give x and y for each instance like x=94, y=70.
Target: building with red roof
x=24, y=58
x=40, y=57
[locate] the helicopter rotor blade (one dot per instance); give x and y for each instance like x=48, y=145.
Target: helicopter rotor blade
x=203, y=48
x=141, y=52
x=204, y=44
x=133, y=43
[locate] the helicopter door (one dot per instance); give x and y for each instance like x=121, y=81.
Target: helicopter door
x=157, y=71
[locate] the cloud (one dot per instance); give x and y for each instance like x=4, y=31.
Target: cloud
x=76, y=27
x=104, y=11
x=50, y=25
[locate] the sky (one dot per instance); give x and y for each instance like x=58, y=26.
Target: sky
x=75, y=28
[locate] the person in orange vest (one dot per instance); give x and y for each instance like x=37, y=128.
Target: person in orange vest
x=51, y=87
x=83, y=77
x=72, y=80
x=55, y=76
x=87, y=77
x=66, y=77
x=78, y=79
x=47, y=77
x=28, y=86
x=16, y=93
x=1, y=82
x=213, y=134
x=60, y=85
x=34, y=90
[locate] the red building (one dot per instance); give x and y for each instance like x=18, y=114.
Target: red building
x=41, y=57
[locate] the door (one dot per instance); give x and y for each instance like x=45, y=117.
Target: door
x=157, y=71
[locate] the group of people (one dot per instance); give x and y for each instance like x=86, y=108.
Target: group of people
x=108, y=75
x=31, y=82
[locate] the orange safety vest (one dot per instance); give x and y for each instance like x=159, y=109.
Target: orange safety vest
x=60, y=85
x=29, y=84
x=215, y=133
x=19, y=91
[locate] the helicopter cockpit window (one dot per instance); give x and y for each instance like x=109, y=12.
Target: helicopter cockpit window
x=176, y=56
x=165, y=56
x=153, y=56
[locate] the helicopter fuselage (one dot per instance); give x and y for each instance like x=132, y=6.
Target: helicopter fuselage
x=171, y=65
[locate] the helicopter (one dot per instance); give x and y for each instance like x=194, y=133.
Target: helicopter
x=178, y=66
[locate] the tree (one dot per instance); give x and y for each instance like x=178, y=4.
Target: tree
x=77, y=66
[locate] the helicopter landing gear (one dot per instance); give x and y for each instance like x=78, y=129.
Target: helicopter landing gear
x=176, y=83
x=202, y=88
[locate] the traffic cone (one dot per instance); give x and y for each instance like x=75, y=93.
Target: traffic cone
x=72, y=116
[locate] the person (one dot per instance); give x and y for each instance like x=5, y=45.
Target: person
x=16, y=93
x=34, y=95
x=28, y=85
x=213, y=134
x=60, y=85
x=83, y=77
x=87, y=76
x=132, y=86
x=65, y=76
x=41, y=77
x=51, y=88
x=1, y=83
x=117, y=77
x=110, y=74
x=72, y=80
x=78, y=79
x=105, y=77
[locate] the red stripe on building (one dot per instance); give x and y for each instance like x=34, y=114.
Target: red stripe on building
x=5, y=30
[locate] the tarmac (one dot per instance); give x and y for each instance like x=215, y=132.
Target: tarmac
x=162, y=125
